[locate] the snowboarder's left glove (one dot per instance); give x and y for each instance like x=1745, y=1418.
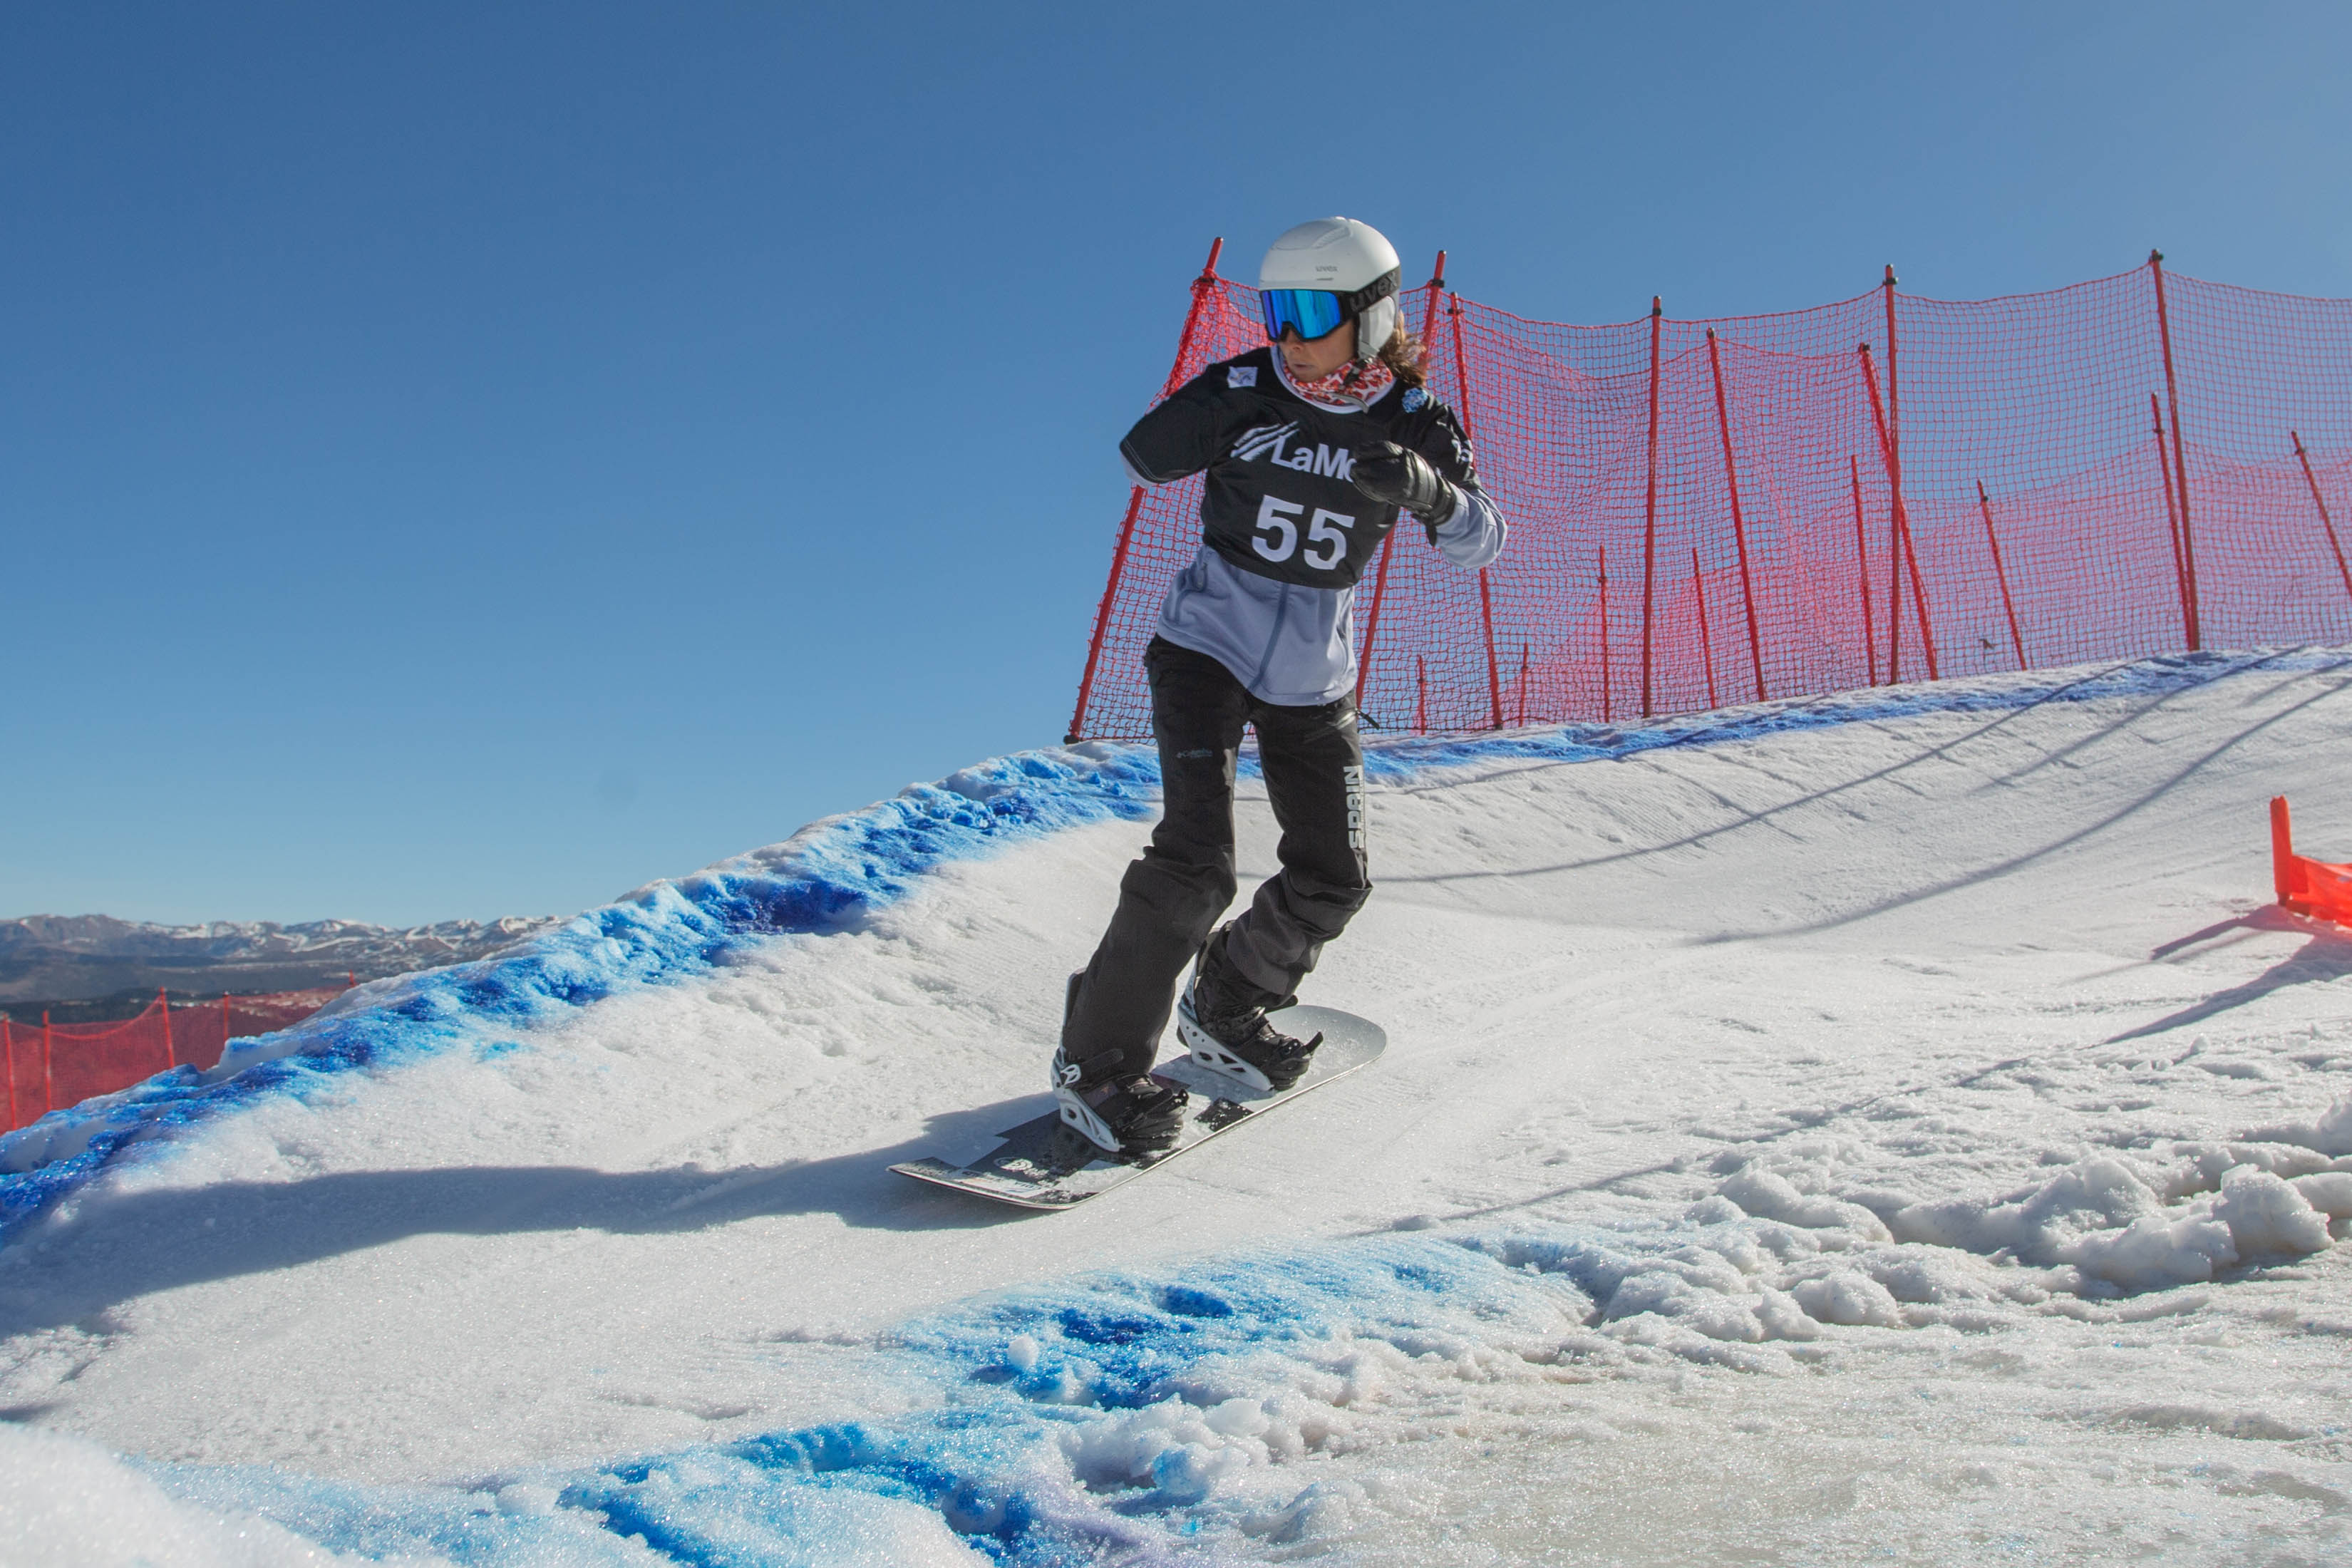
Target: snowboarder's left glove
x=1396, y=476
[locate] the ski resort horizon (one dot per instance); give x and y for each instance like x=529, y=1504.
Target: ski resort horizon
x=1889, y=1122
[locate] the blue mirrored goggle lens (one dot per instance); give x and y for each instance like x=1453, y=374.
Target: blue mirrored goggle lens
x=1312, y=312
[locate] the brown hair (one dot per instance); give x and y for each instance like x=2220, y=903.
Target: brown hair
x=1406, y=355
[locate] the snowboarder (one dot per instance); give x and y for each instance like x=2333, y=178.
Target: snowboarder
x=1313, y=446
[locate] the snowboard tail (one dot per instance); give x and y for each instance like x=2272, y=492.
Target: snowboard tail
x=1045, y=1164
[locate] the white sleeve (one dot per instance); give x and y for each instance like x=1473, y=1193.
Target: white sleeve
x=1474, y=534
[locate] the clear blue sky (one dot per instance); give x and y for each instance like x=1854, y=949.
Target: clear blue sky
x=471, y=459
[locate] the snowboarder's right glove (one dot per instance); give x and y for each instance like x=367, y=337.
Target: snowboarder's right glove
x=1396, y=476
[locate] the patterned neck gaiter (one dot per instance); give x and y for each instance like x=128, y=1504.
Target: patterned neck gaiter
x=1352, y=385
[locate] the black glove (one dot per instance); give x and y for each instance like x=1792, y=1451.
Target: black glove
x=1395, y=475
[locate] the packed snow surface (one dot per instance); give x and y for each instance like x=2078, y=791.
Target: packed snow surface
x=1889, y=1126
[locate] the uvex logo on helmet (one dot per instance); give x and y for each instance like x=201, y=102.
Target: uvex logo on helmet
x=1268, y=441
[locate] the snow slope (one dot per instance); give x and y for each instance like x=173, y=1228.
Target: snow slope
x=1885, y=1125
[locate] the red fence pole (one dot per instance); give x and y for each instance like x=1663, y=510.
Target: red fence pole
x=1895, y=467
x=8, y=1056
x=1435, y=287
x=1486, y=598
x=2001, y=573
x=1372, y=618
x=1894, y=565
x=49, y=1065
x=1894, y=390
x=1650, y=506
x=1890, y=434
x=1705, y=643
x=1738, y=524
x=1201, y=288
x=1494, y=674
x=1521, y=721
x=2282, y=852
x=1102, y=614
x=2321, y=502
x=1904, y=549
x=1861, y=559
x=164, y=1003
x=1201, y=284
x=1894, y=597
x=2172, y=523
x=2179, y=458
x=1890, y=440
x=1420, y=701
x=1919, y=597
x=1894, y=437
x=1605, y=705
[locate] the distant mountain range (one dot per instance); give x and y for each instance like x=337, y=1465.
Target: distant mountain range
x=100, y=965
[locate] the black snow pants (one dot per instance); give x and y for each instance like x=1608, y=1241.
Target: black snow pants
x=1170, y=898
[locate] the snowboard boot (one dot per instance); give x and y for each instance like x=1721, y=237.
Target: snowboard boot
x=1221, y=1016
x=1126, y=1116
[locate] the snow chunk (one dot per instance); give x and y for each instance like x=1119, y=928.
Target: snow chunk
x=2098, y=1194
x=1690, y=1304
x=2209, y=1162
x=2267, y=1217
x=1850, y=1298
x=1922, y=1277
x=1166, y=1444
x=2154, y=1252
x=2101, y=1217
x=1769, y=1196
x=2330, y=1193
x=2330, y=1134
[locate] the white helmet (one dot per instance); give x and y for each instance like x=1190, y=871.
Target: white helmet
x=1347, y=258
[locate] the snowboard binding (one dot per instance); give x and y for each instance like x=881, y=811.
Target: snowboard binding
x=1127, y=1117
x=1124, y=1117
x=1222, y=1019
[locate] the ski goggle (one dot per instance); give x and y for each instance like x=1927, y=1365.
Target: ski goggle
x=1317, y=312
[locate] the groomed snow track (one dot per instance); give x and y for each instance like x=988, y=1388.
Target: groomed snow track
x=1891, y=1123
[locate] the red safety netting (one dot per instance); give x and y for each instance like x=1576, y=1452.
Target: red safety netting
x=1886, y=488
x=45, y=1065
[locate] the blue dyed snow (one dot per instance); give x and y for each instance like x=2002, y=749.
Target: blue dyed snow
x=1025, y=1457
x=837, y=871
x=1066, y=1424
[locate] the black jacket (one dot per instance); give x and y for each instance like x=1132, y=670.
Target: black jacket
x=1278, y=502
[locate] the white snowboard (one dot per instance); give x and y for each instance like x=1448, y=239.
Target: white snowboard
x=1043, y=1164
